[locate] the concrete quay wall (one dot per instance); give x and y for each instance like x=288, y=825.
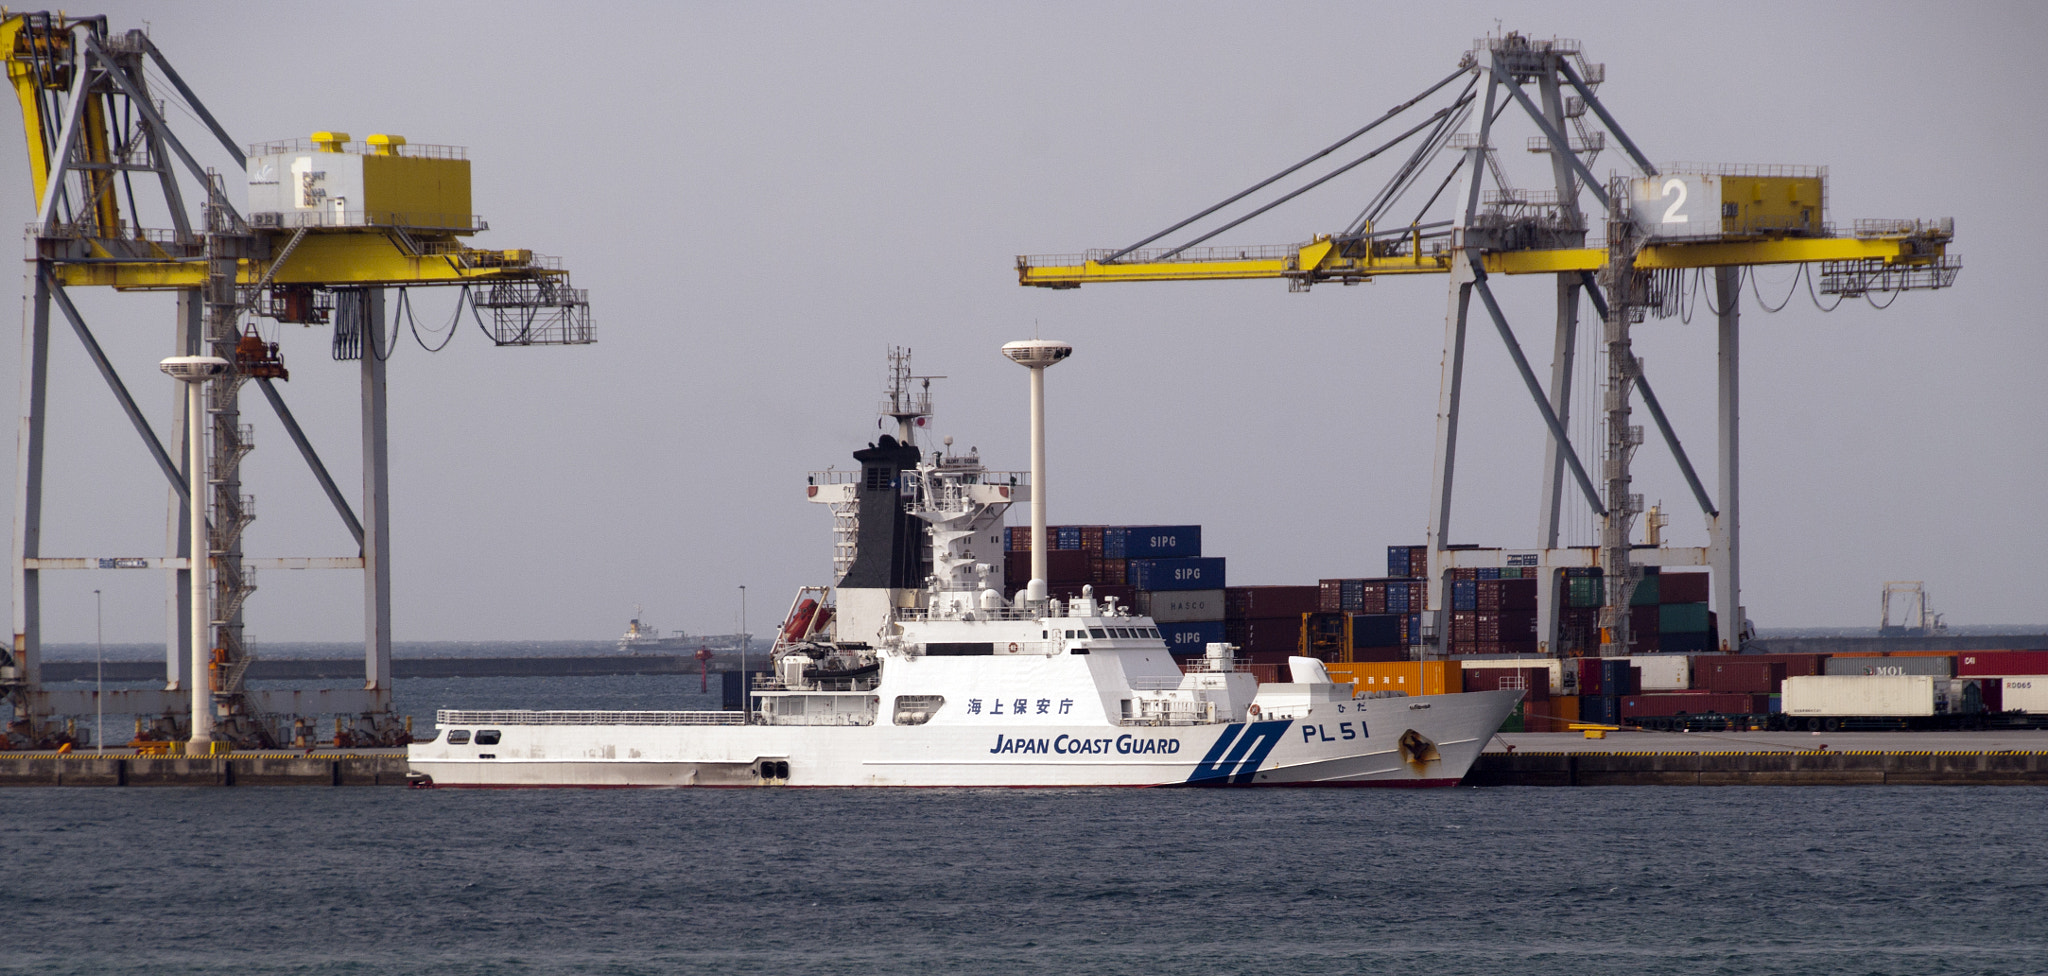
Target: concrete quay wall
x=1583, y=768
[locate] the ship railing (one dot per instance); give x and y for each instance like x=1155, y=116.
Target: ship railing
x=977, y=613
x=1203, y=665
x=1171, y=711
x=462, y=717
x=867, y=682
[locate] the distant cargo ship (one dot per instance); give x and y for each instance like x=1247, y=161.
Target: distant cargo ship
x=643, y=638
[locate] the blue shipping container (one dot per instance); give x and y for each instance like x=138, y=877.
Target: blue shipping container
x=1397, y=598
x=1397, y=561
x=1065, y=536
x=1199, y=573
x=1685, y=643
x=1192, y=637
x=1600, y=709
x=1151, y=541
x=1351, y=595
x=1376, y=630
x=1614, y=677
x=1464, y=594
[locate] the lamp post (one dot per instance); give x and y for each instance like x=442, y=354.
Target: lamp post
x=194, y=371
x=746, y=692
x=1036, y=355
x=99, y=670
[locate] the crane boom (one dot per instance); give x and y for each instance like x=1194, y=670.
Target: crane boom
x=1322, y=260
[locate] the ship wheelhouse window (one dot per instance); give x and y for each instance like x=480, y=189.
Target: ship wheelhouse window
x=429, y=740
x=458, y=737
x=487, y=737
x=1098, y=632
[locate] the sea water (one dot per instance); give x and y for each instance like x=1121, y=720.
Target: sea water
x=312, y=880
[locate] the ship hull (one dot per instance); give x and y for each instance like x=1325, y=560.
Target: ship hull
x=1426, y=741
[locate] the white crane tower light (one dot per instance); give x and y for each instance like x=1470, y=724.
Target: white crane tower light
x=1037, y=353
x=194, y=369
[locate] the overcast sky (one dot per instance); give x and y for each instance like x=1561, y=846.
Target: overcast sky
x=762, y=198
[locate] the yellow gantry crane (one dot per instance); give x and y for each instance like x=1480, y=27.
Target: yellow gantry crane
x=329, y=226
x=1665, y=229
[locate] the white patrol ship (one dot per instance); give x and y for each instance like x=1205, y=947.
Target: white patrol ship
x=917, y=670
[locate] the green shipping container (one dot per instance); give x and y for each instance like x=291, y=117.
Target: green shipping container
x=1682, y=618
x=1646, y=593
x=1587, y=591
x=1511, y=572
x=1514, y=721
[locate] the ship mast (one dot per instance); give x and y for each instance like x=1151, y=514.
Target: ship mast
x=912, y=408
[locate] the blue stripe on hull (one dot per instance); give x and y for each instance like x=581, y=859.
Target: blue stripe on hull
x=1238, y=753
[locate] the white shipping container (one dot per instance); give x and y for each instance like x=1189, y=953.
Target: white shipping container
x=1555, y=666
x=2028, y=694
x=1877, y=695
x=1664, y=672
x=1181, y=606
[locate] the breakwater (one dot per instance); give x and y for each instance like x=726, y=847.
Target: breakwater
x=255, y=769
x=302, y=669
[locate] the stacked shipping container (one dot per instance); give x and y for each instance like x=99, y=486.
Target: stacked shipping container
x=1155, y=569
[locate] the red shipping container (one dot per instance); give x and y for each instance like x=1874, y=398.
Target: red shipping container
x=1330, y=596
x=1061, y=566
x=1736, y=672
x=1974, y=664
x=1464, y=574
x=1091, y=539
x=1270, y=601
x=1418, y=562
x=1373, y=596
x=1507, y=594
x=1281, y=635
x=1465, y=626
x=1534, y=681
x=1796, y=665
x=1587, y=670
x=1506, y=625
x=1993, y=690
x=1685, y=703
x=1682, y=587
x=1106, y=570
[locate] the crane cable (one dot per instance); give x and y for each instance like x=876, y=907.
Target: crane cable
x=1423, y=155
x=1816, y=298
x=1325, y=178
x=1269, y=181
x=405, y=305
x=1766, y=306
